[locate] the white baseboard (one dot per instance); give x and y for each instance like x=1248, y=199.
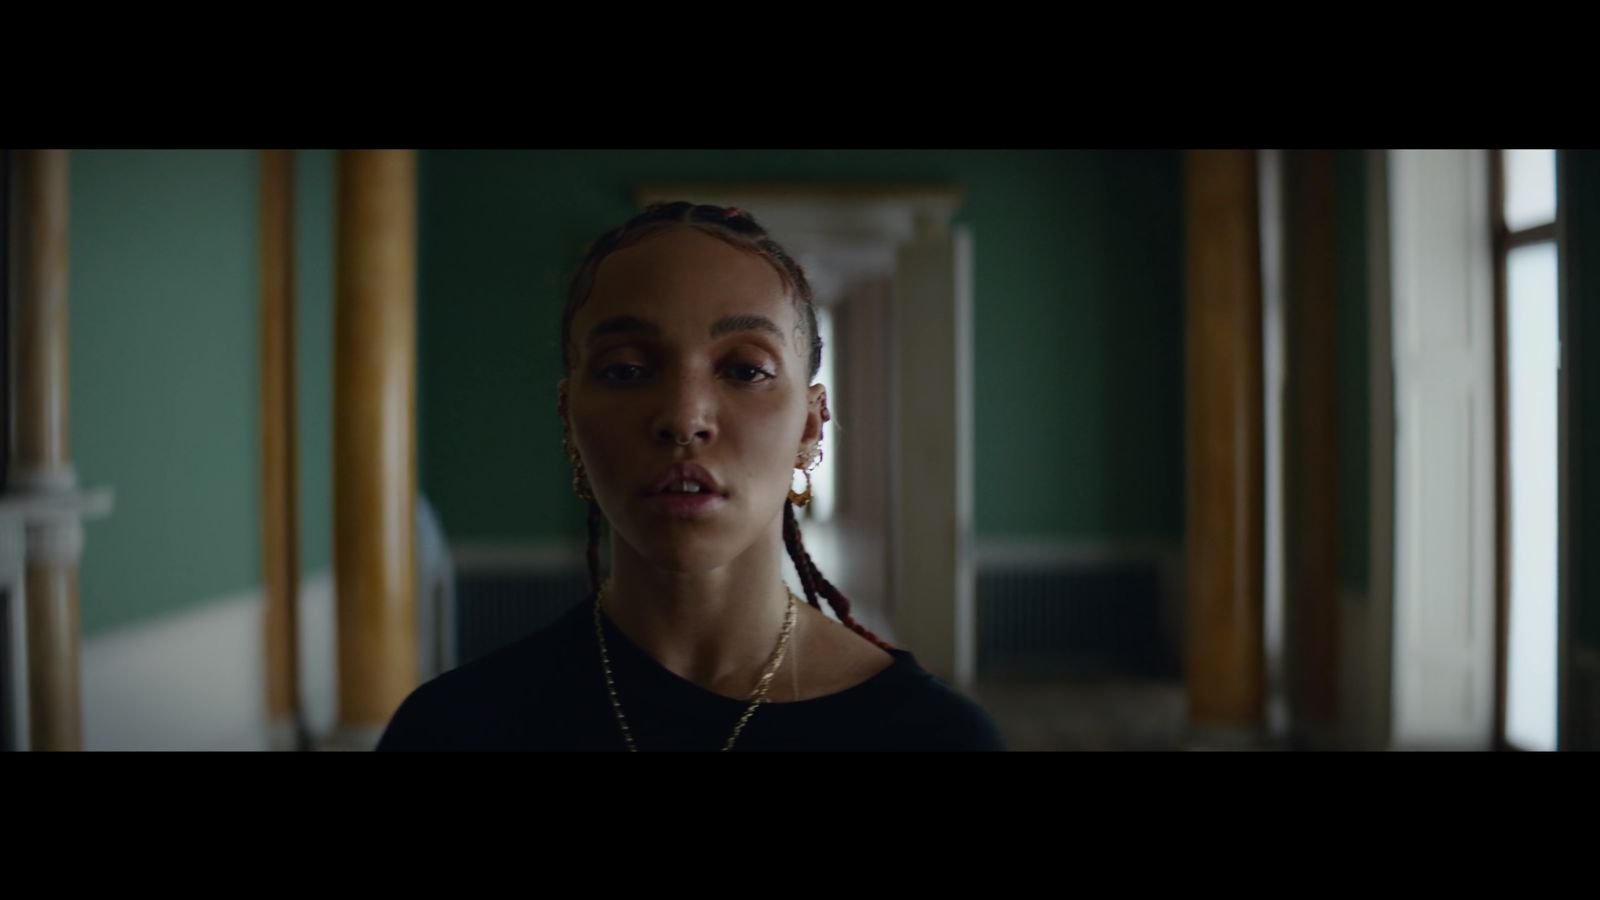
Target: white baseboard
x=1025, y=552
x=195, y=680
x=319, y=653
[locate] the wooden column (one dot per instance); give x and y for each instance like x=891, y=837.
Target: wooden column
x=1311, y=465
x=40, y=458
x=374, y=471
x=1225, y=677
x=280, y=483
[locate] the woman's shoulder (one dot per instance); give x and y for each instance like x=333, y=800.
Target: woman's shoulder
x=834, y=658
x=470, y=705
x=900, y=707
x=884, y=699
x=932, y=715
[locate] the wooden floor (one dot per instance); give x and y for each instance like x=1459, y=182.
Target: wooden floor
x=1104, y=714
x=1086, y=715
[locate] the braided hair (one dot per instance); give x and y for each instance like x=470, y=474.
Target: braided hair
x=739, y=228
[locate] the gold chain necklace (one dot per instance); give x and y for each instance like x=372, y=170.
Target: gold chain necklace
x=757, y=697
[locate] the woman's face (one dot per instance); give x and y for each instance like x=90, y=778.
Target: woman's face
x=686, y=339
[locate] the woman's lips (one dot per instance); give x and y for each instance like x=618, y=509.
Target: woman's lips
x=687, y=505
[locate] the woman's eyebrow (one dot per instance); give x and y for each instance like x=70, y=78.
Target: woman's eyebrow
x=724, y=325
x=624, y=325
x=746, y=322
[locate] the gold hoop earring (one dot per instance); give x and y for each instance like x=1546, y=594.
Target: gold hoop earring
x=580, y=477
x=803, y=498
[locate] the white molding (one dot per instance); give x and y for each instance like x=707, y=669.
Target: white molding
x=41, y=521
x=835, y=268
x=48, y=524
x=196, y=680
x=55, y=478
x=1048, y=552
x=57, y=542
x=897, y=215
x=318, y=624
x=86, y=502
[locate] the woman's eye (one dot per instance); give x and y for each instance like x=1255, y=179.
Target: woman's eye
x=621, y=372
x=750, y=373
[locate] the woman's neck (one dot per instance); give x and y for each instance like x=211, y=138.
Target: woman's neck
x=716, y=628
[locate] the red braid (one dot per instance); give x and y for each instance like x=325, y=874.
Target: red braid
x=814, y=582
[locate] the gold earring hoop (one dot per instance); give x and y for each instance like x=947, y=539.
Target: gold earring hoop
x=580, y=482
x=808, y=460
x=580, y=478
x=804, y=497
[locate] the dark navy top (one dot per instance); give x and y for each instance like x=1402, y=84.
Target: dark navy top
x=547, y=692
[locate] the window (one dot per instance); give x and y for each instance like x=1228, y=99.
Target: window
x=1528, y=342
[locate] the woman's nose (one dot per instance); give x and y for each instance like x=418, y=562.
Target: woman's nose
x=686, y=414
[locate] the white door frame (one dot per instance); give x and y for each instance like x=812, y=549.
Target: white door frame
x=1441, y=289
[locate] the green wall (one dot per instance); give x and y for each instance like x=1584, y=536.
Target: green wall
x=163, y=376
x=1079, y=394
x=1078, y=321
x=1079, y=346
